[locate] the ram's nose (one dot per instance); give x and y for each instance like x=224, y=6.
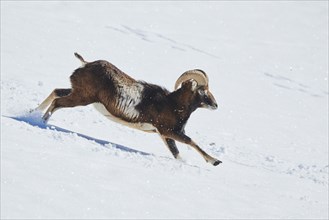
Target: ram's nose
x=214, y=106
x=213, y=103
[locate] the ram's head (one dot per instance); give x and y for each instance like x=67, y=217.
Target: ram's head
x=198, y=82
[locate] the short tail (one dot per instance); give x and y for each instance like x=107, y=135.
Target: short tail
x=80, y=58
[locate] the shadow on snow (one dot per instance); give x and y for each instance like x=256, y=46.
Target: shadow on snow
x=37, y=121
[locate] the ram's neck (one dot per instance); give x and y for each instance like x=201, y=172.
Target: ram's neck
x=184, y=103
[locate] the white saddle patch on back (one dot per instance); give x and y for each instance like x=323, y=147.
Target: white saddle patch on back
x=140, y=126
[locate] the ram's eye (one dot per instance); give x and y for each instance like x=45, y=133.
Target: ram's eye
x=201, y=92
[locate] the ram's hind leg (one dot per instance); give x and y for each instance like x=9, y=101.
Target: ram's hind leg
x=53, y=95
x=75, y=98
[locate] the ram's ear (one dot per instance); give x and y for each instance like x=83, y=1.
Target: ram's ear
x=194, y=85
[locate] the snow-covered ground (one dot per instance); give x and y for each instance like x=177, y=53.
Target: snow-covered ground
x=268, y=68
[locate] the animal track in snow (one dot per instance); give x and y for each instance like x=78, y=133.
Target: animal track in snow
x=293, y=85
x=153, y=37
x=318, y=173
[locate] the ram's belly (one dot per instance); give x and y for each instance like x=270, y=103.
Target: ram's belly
x=140, y=126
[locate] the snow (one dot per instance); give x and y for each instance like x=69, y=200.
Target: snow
x=268, y=67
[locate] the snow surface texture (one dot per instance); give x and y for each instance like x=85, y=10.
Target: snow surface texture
x=268, y=69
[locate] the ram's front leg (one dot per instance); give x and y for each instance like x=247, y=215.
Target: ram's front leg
x=170, y=143
x=181, y=137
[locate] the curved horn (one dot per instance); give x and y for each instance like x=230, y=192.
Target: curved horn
x=198, y=75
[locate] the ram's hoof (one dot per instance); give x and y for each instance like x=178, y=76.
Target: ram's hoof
x=217, y=162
